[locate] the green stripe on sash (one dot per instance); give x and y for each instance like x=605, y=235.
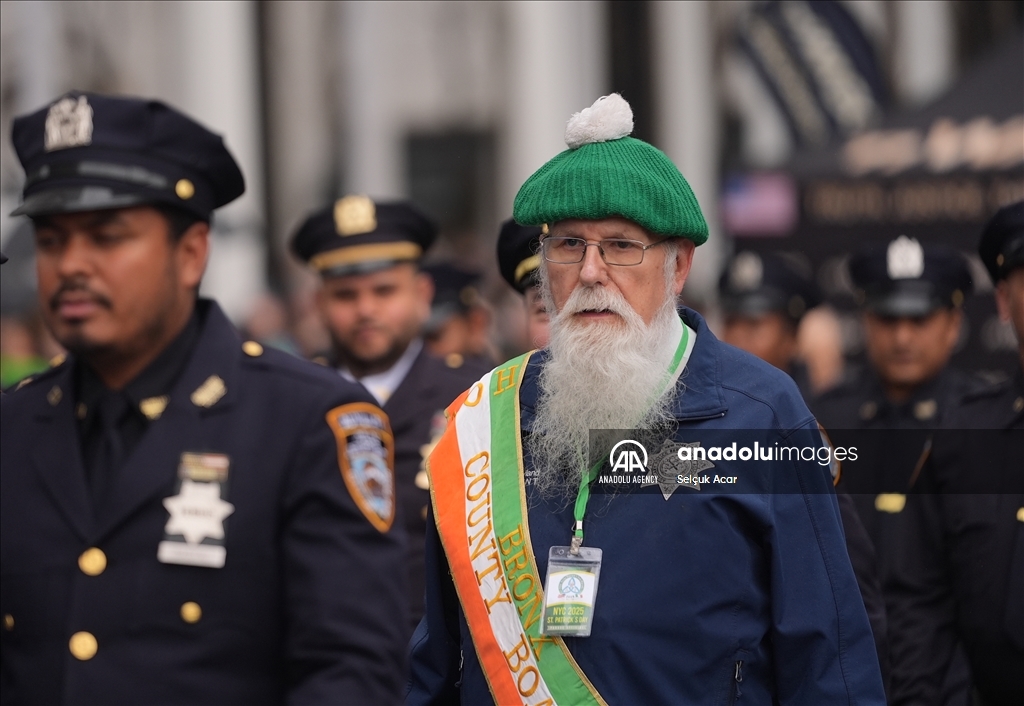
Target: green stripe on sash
x=565, y=680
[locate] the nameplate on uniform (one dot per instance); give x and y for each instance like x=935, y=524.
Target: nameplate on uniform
x=194, y=534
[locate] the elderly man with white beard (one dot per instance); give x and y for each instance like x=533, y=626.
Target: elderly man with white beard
x=573, y=567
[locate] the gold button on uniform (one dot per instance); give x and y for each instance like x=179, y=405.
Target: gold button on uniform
x=191, y=612
x=83, y=645
x=1020, y=518
x=92, y=562
x=9, y=619
x=253, y=349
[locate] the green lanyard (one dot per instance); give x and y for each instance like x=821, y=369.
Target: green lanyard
x=583, y=496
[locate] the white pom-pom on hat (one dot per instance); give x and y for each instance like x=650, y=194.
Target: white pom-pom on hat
x=610, y=118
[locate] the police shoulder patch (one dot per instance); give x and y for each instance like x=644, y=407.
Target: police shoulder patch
x=366, y=457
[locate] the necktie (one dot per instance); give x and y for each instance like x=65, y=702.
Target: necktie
x=111, y=410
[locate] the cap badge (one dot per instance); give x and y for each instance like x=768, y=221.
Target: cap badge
x=68, y=124
x=746, y=272
x=354, y=215
x=904, y=259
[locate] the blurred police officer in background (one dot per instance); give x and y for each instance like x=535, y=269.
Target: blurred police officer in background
x=186, y=517
x=962, y=568
x=374, y=300
x=459, y=325
x=771, y=310
x=911, y=296
x=764, y=298
x=519, y=264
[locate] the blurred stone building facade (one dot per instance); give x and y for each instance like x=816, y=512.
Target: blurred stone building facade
x=452, y=104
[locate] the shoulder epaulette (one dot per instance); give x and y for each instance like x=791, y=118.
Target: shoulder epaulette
x=37, y=377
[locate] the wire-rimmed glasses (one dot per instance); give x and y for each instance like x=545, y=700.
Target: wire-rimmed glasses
x=568, y=250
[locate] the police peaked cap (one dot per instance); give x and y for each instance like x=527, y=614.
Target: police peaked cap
x=1002, y=242
x=519, y=254
x=908, y=278
x=87, y=151
x=355, y=235
x=455, y=292
x=757, y=283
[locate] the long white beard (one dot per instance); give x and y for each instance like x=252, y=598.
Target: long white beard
x=599, y=377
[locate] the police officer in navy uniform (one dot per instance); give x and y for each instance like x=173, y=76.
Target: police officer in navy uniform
x=963, y=564
x=764, y=296
x=374, y=300
x=519, y=264
x=911, y=295
x=459, y=324
x=186, y=517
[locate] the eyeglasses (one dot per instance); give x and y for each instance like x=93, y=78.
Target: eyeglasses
x=567, y=250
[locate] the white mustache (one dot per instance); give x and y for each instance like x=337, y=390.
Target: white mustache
x=595, y=299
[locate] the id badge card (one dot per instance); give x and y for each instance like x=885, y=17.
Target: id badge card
x=570, y=591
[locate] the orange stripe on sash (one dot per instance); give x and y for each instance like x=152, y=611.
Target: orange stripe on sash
x=447, y=488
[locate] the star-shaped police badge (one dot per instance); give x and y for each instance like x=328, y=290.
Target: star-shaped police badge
x=197, y=511
x=666, y=466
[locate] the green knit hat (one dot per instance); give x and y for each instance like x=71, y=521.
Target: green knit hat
x=606, y=173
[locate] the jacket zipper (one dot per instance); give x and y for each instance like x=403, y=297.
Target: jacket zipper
x=701, y=419
x=737, y=678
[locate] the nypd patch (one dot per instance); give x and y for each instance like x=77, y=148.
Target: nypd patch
x=366, y=458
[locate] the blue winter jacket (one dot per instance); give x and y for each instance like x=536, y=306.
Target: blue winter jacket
x=726, y=594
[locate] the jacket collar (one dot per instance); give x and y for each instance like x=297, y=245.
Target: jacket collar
x=208, y=386
x=58, y=459
x=216, y=356
x=701, y=394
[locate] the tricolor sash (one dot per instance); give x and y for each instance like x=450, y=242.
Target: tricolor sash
x=479, y=498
